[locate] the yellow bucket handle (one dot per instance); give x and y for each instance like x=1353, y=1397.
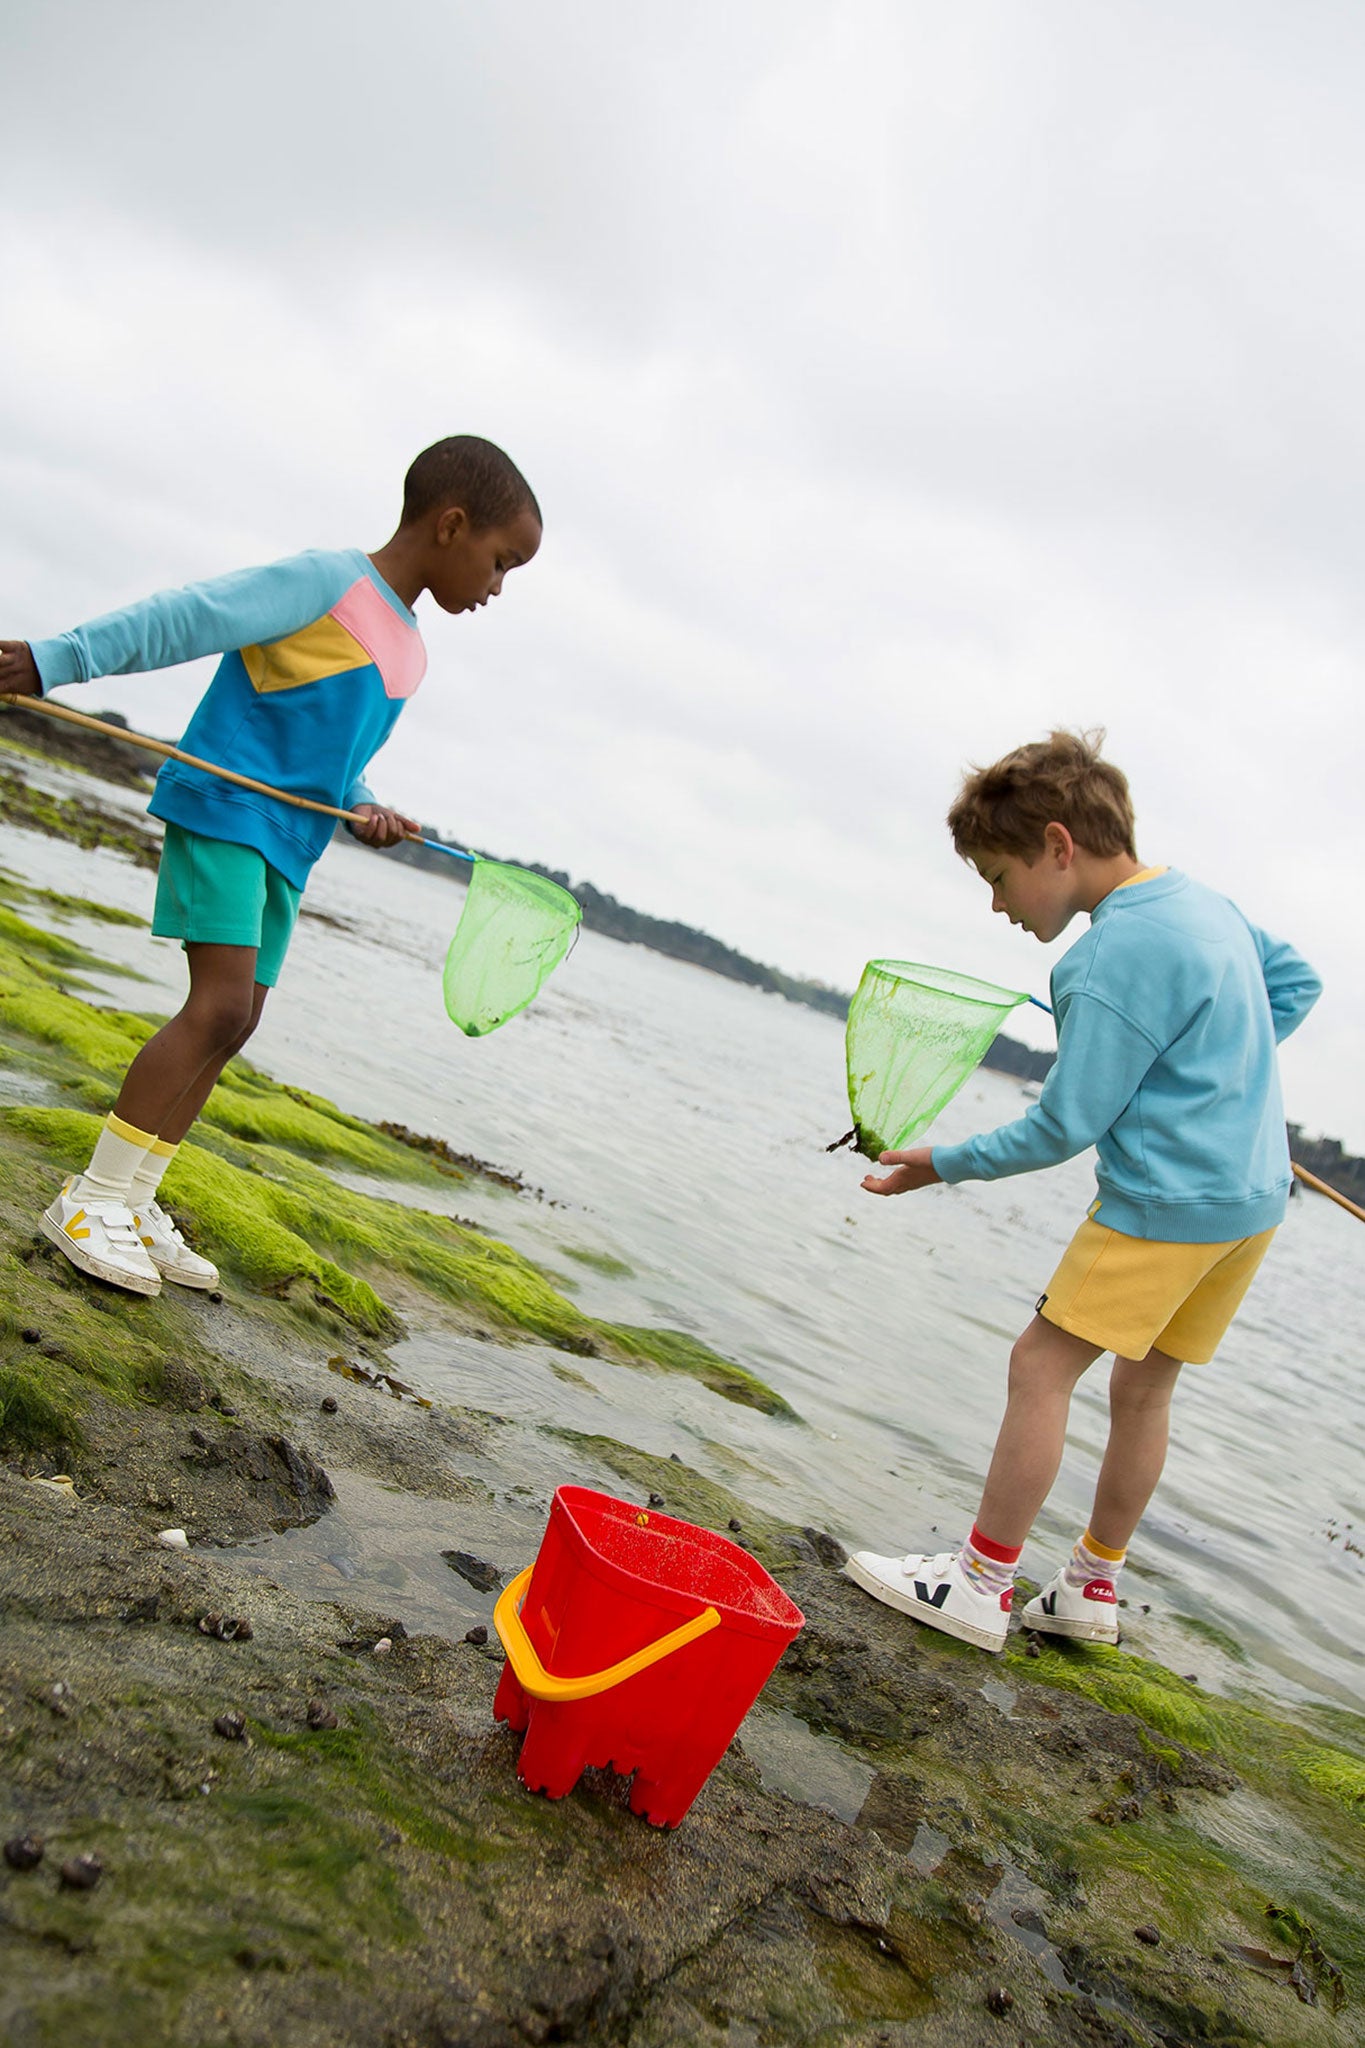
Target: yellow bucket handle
x=531, y=1674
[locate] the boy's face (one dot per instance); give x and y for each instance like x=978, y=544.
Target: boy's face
x=469, y=563
x=1039, y=893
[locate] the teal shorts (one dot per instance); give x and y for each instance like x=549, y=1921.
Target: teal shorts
x=213, y=892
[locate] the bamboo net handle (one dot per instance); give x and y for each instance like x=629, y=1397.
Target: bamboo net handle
x=151, y=746
x=1320, y=1187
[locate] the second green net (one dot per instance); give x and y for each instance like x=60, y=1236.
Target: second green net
x=914, y=1035
x=514, y=930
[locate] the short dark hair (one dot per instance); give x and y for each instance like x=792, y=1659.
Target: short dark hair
x=1007, y=807
x=466, y=470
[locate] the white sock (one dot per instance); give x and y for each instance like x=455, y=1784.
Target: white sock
x=147, y=1179
x=116, y=1158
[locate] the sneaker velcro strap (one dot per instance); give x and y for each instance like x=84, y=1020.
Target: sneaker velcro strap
x=116, y=1216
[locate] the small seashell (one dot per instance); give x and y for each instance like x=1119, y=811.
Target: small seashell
x=478, y=1635
x=209, y=1624
x=24, y=1852
x=231, y=1726
x=328, y=1404
x=383, y=1646
x=320, y=1715
x=82, y=1873
x=60, y=1483
x=656, y=1500
x=173, y=1539
x=214, y=1294
x=999, y=2000
x=1149, y=1935
x=244, y=1629
x=31, y=1336
x=734, y=1525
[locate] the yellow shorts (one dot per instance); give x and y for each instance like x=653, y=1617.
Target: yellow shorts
x=1133, y=1294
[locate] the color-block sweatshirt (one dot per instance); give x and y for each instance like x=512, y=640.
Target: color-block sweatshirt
x=319, y=658
x=1168, y=1013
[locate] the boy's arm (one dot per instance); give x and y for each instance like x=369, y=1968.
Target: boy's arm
x=1290, y=983
x=1101, y=1059
x=241, y=610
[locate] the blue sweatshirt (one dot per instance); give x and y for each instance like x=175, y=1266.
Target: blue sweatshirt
x=1168, y=1013
x=319, y=657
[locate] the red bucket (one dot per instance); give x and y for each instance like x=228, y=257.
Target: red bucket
x=635, y=1641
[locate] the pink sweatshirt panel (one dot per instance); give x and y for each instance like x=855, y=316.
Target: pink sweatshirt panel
x=392, y=644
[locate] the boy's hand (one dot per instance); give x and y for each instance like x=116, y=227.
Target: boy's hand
x=913, y=1169
x=18, y=670
x=383, y=827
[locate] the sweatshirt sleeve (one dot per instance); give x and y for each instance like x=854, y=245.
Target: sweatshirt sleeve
x=1101, y=1059
x=241, y=610
x=1290, y=983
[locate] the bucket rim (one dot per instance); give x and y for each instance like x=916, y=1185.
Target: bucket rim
x=784, y=1627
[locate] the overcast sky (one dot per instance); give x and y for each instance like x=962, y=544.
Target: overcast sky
x=898, y=381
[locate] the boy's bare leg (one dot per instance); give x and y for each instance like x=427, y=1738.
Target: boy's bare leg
x=1045, y=1365
x=170, y=1080
x=1140, y=1392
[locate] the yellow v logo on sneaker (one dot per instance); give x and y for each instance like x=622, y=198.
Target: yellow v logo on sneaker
x=71, y=1227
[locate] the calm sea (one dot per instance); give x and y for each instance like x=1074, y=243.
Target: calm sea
x=675, y=1124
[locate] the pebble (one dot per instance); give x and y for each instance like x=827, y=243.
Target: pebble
x=1148, y=1935
x=228, y=1628
x=232, y=1727
x=999, y=2000
x=478, y=1636
x=383, y=1646
x=82, y=1873
x=214, y=1294
x=173, y=1539
x=328, y=1404
x=734, y=1525
x=656, y=1500
x=24, y=1852
x=320, y=1715
x=32, y=1336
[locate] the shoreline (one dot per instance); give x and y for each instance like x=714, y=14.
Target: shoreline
x=1008, y=1823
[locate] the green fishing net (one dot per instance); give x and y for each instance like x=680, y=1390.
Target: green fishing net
x=514, y=930
x=914, y=1035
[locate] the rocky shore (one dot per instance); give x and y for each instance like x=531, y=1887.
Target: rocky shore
x=274, y=1822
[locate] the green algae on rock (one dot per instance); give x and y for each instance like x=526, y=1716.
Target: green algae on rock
x=248, y=1183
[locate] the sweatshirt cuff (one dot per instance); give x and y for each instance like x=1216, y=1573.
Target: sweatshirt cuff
x=56, y=662
x=954, y=1163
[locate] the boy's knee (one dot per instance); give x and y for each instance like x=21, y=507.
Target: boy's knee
x=224, y=1020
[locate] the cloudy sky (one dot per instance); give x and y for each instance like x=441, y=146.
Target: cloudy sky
x=898, y=381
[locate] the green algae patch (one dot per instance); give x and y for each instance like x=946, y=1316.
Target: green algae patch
x=605, y=1263
x=676, y=1352
x=1124, y=1685
x=77, y=820
x=1330, y=1771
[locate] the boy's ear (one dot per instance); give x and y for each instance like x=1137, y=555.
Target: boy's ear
x=1059, y=845
x=451, y=522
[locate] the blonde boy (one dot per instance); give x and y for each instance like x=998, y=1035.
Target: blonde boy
x=1168, y=1013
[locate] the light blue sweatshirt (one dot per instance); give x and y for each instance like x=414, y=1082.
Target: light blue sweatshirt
x=319, y=658
x=1168, y=1013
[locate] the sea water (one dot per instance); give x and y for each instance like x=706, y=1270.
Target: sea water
x=673, y=1126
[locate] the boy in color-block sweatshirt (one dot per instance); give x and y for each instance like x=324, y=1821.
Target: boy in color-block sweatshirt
x=320, y=654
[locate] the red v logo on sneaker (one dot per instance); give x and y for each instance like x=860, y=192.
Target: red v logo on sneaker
x=1007, y=1599
x=1101, y=1589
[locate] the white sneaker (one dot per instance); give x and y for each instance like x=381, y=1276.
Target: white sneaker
x=935, y=1590
x=168, y=1251
x=1089, y=1613
x=100, y=1237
